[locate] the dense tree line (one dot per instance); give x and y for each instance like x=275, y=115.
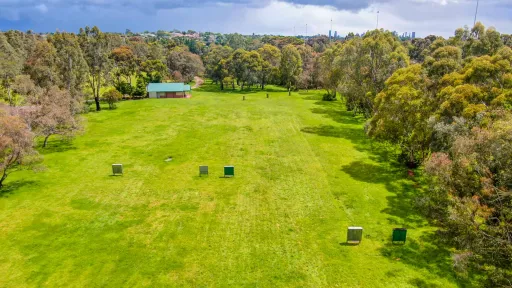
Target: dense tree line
x=451, y=111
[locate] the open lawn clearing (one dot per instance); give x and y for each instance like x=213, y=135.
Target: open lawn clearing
x=304, y=172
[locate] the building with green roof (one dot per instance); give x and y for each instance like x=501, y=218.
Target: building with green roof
x=168, y=90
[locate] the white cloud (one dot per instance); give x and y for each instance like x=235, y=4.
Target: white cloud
x=42, y=8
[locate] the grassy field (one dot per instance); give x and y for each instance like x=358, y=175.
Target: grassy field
x=304, y=172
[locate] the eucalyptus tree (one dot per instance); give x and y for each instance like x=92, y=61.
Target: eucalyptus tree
x=271, y=57
x=365, y=64
x=11, y=64
x=291, y=66
x=71, y=65
x=216, y=63
x=96, y=49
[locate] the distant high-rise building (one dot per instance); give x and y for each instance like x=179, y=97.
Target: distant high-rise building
x=335, y=34
x=413, y=35
x=330, y=33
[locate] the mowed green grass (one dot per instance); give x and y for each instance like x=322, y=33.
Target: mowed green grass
x=304, y=172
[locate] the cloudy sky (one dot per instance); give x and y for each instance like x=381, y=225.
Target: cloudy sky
x=425, y=17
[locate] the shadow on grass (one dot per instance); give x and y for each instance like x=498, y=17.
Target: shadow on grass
x=425, y=253
x=312, y=97
x=342, y=117
x=55, y=145
x=10, y=187
x=349, y=244
x=401, y=205
x=377, y=151
x=383, y=167
x=210, y=87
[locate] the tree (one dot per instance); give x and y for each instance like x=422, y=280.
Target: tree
x=271, y=57
x=443, y=61
x=71, y=67
x=481, y=42
x=419, y=47
x=10, y=65
x=16, y=144
x=471, y=198
x=26, y=88
x=124, y=63
x=236, y=64
x=216, y=64
x=96, y=50
x=112, y=96
x=364, y=65
x=291, y=66
x=245, y=67
x=41, y=65
x=330, y=71
x=54, y=114
x=236, y=41
x=482, y=85
x=140, y=48
x=306, y=79
x=229, y=81
x=188, y=64
x=140, y=88
x=402, y=111
x=177, y=77
x=253, y=67
x=154, y=70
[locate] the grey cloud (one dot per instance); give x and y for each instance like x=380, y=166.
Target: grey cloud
x=423, y=16
x=351, y=5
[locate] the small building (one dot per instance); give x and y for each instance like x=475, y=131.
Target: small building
x=168, y=90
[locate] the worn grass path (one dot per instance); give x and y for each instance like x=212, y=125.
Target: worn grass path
x=304, y=172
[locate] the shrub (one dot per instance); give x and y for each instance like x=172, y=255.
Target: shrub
x=112, y=96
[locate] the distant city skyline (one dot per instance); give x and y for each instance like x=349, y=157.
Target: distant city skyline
x=286, y=17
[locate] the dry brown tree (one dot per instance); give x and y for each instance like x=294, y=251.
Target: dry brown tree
x=16, y=144
x=54, y=114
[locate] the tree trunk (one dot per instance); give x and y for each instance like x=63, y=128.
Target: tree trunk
x=46, y=140
x=97, y=96
x=97, y=100
x=9, y=95
x=221, y=85
x=70, y=63
x=4, y=176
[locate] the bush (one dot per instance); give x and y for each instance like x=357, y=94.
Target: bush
x=112, y=96
x=124, y=88
x=140, y=90
x=329, y=97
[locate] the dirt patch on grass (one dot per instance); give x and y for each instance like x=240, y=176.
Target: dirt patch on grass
x=199, y=81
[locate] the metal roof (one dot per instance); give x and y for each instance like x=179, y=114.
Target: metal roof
x=168, y=87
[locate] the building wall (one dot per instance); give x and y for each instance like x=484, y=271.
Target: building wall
x=167, y=94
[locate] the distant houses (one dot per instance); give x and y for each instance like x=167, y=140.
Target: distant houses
x=168, y=90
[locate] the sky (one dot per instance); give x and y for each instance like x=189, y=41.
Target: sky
x=276, y=17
